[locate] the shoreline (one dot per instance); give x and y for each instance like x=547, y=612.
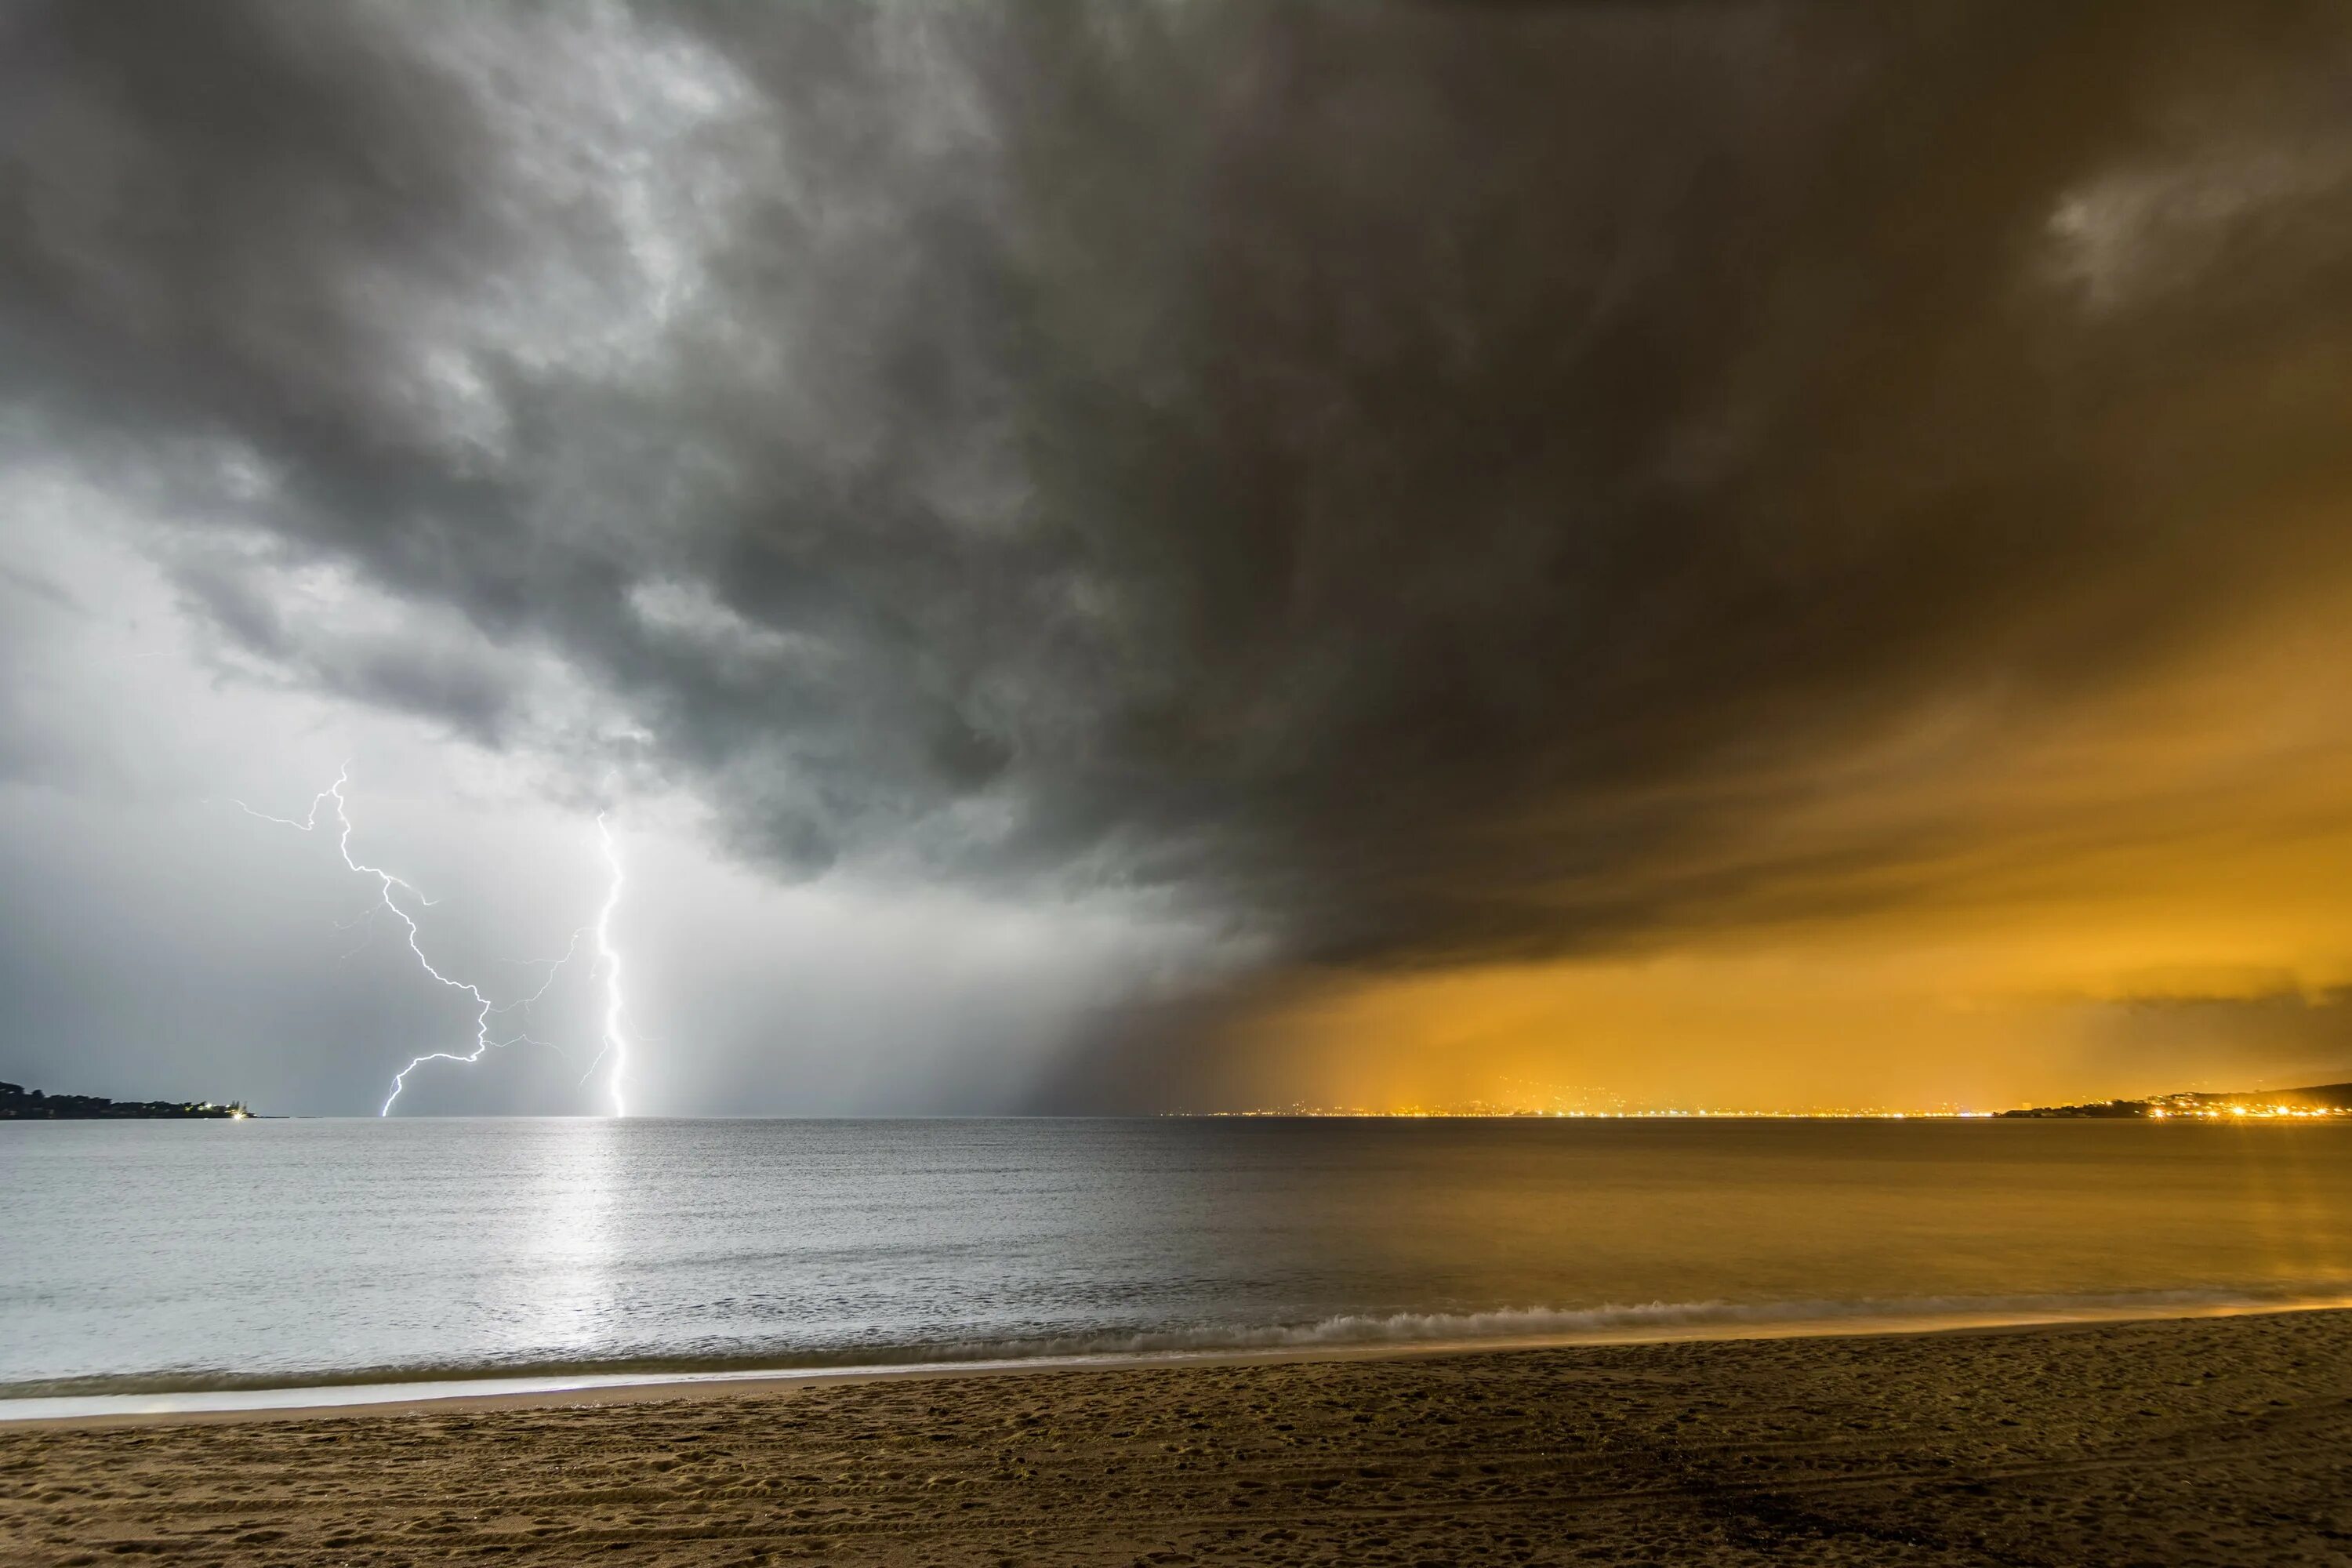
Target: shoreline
x=493, y=1391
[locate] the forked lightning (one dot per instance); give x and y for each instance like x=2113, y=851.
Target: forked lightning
x=615, y=1044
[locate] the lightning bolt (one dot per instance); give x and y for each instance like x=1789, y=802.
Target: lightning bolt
x=484, y=1008
x=617, y=1043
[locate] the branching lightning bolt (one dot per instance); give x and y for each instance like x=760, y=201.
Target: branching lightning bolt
x=484, y=1008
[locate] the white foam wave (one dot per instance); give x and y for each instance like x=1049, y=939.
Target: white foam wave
x=1570, y=1324
x=1343, y=1333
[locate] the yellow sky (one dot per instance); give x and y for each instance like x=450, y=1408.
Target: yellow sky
x=2137, y=889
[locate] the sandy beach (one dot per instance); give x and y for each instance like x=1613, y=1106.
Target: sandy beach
x=2213, y=1441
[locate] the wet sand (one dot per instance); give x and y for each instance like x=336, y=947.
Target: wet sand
x=2208, y=1441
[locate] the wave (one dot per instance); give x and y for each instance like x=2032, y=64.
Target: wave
x=198, y=1389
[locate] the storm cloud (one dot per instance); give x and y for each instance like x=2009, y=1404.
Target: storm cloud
x=1424, y=486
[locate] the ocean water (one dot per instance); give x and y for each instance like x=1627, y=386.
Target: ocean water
x=213, y=1261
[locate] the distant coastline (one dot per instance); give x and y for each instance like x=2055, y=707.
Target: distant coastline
x=2312, y=1101
x=18, y=1103
x=2325, y=1100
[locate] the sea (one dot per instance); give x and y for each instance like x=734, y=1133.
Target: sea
x=196, y=1265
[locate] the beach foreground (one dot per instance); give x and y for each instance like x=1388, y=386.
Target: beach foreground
x=2221, y=1441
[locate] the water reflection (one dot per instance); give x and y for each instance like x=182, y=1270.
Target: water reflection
x=565, y=1244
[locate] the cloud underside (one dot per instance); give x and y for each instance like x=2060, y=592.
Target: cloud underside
x=1429, y=487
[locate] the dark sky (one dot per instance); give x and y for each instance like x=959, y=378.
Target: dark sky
x=1169, y=555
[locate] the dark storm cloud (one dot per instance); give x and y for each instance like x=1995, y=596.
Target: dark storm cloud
x=1424, y=481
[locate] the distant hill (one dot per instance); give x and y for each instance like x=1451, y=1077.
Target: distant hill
x=2320, y=1099
x=18, y=1103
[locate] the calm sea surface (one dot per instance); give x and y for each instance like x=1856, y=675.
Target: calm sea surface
x=145, y=1257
